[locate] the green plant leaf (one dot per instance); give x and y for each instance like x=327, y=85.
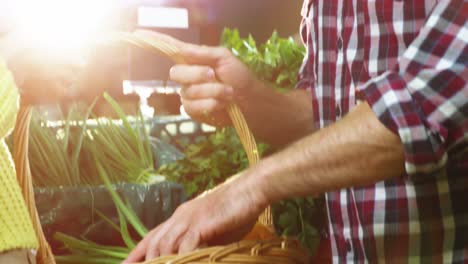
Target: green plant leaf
x=127, y=238
x=277, y=61
x=128, y=213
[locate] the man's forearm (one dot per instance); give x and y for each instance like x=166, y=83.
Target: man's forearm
x=278, y=118
x=355, y=151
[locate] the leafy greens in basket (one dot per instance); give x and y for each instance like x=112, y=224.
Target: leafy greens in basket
x=64, y=154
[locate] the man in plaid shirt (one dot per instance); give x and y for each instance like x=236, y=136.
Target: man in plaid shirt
x=389, y=145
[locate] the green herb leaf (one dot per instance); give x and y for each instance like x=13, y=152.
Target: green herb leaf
x=277, y=61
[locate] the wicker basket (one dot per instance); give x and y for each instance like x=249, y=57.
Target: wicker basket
x=23, y=172
x=267, y=251
x=278, y=251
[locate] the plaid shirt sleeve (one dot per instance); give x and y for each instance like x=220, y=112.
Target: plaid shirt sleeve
x=424, y=99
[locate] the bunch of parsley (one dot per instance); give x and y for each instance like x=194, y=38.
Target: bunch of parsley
x=277, y=61
x=208, y=162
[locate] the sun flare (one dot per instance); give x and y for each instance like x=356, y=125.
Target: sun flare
x=62, y=26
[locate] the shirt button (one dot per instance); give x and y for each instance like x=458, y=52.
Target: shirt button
x=340, y=43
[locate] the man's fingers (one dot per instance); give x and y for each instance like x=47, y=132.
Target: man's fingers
x=168, y=245
x=189, y=242
x=139, y=251
x=153, y=250
x=204, y=107
x=206, y=91
x=189, y=74
x=136, y=255
x=203, y=55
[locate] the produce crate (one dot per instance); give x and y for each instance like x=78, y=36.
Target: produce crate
x=179, y=130
x=79, y=217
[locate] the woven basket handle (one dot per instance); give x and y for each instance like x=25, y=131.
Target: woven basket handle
x=161, y=46
x=23, y=172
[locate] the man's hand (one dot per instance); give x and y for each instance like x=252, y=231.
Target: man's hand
x=231, y=208
x=211, y=78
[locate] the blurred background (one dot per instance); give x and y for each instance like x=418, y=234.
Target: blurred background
x=109, y=68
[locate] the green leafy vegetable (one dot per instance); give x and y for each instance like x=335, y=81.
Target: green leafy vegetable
x=300, y=217
x=277, y=61
x=66, y=154
x=208, y=162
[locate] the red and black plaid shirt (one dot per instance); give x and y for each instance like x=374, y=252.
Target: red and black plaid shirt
x=408, y=59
